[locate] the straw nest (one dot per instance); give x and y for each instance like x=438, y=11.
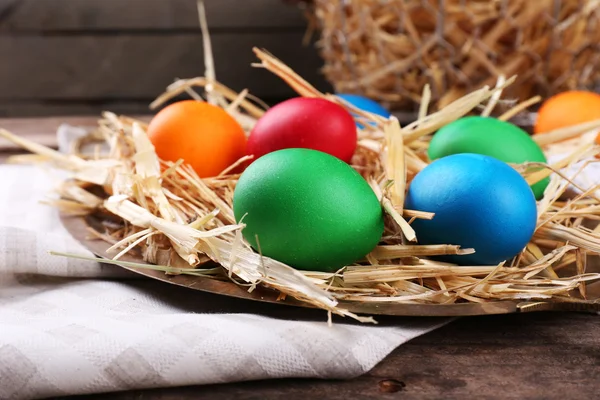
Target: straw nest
x=389, y=50
x=176, y=221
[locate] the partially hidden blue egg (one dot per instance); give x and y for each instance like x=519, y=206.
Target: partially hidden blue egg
x=365, y=104
x=479, y=202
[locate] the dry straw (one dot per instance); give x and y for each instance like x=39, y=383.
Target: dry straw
x=389, y=50
x=168, y=216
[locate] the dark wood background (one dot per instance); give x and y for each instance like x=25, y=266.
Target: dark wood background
x=73, y=57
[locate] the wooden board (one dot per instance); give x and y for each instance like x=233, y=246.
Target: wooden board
x=139, y=67
x=67, y=108
x=20, y=16
x=78, y=56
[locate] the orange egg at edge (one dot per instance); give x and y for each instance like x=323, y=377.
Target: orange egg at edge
x=204, y=135
x=567, y=109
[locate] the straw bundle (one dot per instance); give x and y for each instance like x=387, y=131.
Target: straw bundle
x=389, y=50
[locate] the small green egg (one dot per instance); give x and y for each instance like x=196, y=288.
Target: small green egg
x=491, y=137
x=307, y=209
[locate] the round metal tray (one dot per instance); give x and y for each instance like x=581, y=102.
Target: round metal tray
x=77, y=227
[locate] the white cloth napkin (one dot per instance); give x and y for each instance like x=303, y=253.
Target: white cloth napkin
x=75, y=327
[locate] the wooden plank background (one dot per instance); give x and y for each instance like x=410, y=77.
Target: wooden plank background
x=74, y=57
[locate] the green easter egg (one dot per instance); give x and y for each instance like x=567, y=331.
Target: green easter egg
x=308, y=209
x=491, y=137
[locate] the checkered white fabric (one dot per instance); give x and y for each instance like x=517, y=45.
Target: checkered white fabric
x=74, y=327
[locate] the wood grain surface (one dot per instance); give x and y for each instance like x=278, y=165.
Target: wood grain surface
x=134, y=67
x=69, y=107
x=23, y=16
x=85, y=56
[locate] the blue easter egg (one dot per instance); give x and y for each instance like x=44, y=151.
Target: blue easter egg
x=479, y=202
x=365, y=104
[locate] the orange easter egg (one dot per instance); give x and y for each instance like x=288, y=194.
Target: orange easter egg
x=201, y=134
x=567, y=109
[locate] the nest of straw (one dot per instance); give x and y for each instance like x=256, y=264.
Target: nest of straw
x=168, y=216
x=176, y=222
x=389, y=50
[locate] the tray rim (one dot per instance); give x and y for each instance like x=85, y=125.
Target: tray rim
x=77, y=226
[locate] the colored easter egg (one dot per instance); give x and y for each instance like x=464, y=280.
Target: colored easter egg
x=479, y=202
x=491, y=137
x=201, y=134
x=567, y=109
x=302, y=122
x=365, y=104
x=307, y=209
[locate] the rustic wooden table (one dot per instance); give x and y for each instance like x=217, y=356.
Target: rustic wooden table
x=524, y=356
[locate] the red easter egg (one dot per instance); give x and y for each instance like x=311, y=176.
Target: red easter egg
x=302, y=122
